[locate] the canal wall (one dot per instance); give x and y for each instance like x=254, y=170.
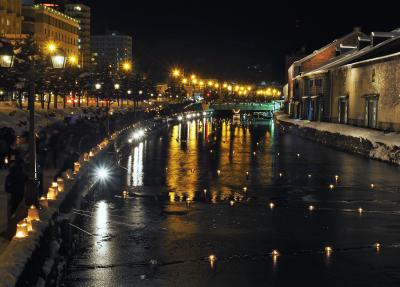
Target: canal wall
x=369, y=143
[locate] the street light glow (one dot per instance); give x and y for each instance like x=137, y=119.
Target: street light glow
x=102, y=173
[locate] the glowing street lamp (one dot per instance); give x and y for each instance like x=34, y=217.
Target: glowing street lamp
x=97, y=86
x=176, y=73
x=102, y=173
x=127, y=66
x=117, y=86
x=73, y=60
x=58, y=59
x=51, y=47
x=6, y=56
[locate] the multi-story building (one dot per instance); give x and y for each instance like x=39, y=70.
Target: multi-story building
x=111, y=49
x=48, y=25
x=10, y=17
x=81, y=13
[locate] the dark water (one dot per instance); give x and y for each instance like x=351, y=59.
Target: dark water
x=165, y=231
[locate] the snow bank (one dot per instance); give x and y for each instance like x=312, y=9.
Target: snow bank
x=383, y=146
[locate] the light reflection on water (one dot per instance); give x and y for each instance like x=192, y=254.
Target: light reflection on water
x=215, y=145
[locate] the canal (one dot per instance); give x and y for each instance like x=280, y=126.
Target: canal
x=216, y=203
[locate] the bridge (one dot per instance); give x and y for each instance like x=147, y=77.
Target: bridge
x=246, y=107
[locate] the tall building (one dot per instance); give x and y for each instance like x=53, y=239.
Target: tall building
x=82, y=13
x=111, y=49
x=10, y=17
x=48, y=25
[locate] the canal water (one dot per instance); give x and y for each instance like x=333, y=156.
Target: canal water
x=210, y=202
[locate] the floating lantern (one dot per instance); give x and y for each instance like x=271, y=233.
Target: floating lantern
x=280, y=174
x=336, y=178
x=309, y=176
x=279, y=154
x=245, y=189
x=271, y=205
x=231, y=203
x=211, y=150
x=254, y=153
x=328, y=250
x=60, y=184
x=275, y=253
x=52, y=193
x=205, y=191
x=44, y=202
x=372, y=186
x=311, y=208
x=247, y=173
x=33, y=213
x=360, y=210
x=22, y=230
x=218, y=172
x=212, y=259
x=377, y=246
x=77, y=167
x=298, y=155
x=331, y=186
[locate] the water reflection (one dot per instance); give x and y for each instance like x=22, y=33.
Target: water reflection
x=135, y=166
x=102, y=227
x=211, y=144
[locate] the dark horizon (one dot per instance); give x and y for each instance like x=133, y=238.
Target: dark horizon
x=246, y=42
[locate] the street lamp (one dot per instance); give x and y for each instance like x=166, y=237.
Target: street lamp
x=6, y=56
x=117, y=86
x=58, y=59
x=176, y=73
x=97, y=86
x=127, y=66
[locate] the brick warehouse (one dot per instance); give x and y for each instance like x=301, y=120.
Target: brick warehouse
x=359, y=86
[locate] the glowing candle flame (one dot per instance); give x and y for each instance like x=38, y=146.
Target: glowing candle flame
x=328, y=250
x=212, y=259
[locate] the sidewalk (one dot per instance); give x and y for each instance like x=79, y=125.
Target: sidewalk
x=385, y=146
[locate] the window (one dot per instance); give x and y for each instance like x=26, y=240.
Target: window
x=311, y=83
x=373, y=76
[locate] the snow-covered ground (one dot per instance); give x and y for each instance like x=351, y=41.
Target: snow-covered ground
x=13, y=117
x=386, y=146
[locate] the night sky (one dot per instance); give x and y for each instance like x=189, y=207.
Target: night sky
x=246, y=41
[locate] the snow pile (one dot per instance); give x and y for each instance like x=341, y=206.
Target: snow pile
x=385, y=146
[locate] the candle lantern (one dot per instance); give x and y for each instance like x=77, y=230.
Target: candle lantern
x=52, y=193
x=28, y=224
x=22, y=230
x=44, y=202
x=86, y=156
x=77, y=167
x=33, y=214
x=60, y=184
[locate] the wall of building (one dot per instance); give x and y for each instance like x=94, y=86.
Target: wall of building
x=10, y=17
x=356, y=81
x=83, y=14
x=46, y=24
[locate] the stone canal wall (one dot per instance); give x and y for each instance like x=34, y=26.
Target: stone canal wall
x=369, y=143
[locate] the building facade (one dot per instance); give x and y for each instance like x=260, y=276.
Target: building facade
x=367, y=93
x=48, y=25
x=111, y=49
x=10, y=17
x=309, y=99
x=81, y=13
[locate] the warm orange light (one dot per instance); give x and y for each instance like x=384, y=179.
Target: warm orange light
x=51, y=47
x=73, y=60
x=127, y=66
x=176, y=73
